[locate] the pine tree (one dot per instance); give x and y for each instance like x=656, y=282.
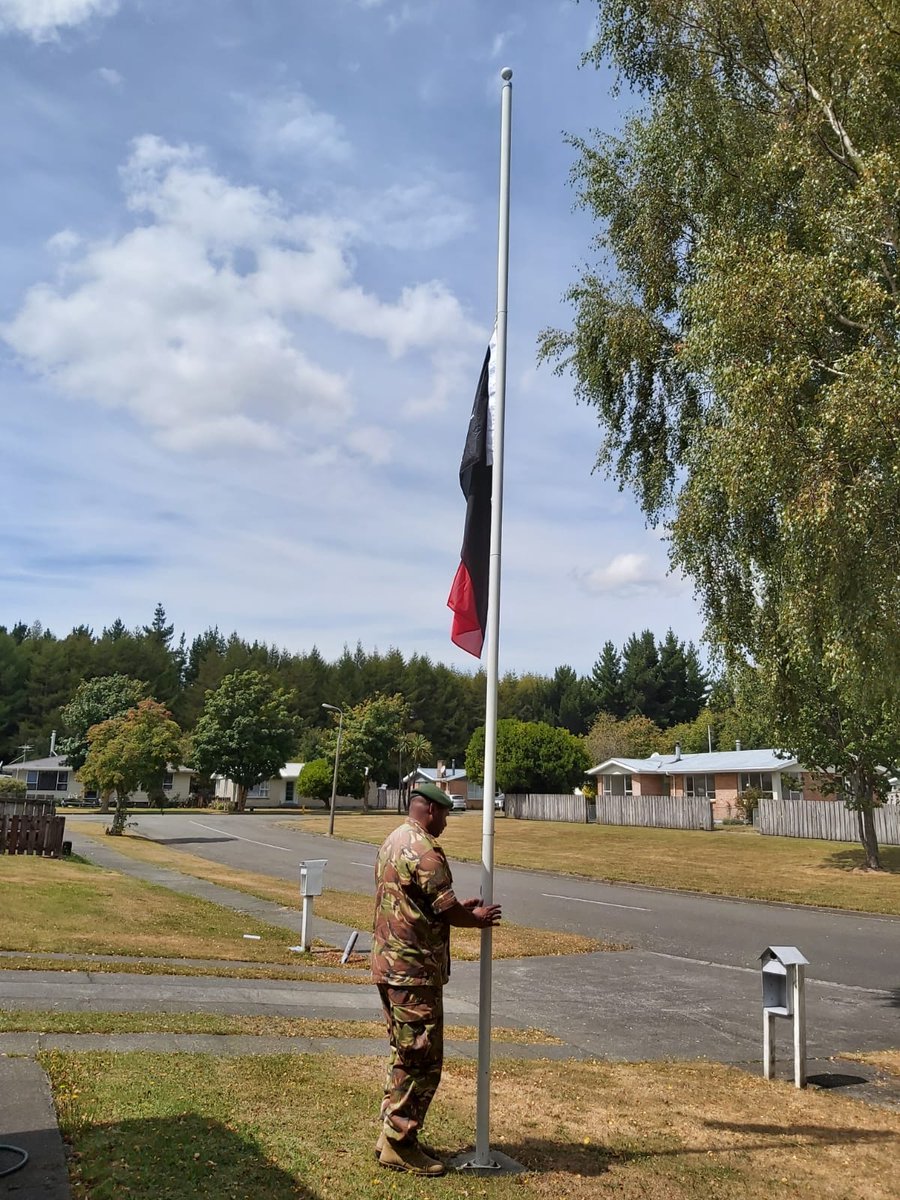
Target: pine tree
x=606, y=678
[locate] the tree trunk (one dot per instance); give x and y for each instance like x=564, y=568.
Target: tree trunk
x=104, y=801
x=865, y=818
x=240, y=797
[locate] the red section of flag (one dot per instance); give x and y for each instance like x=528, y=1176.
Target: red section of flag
x=469, y=593
x=465, y=631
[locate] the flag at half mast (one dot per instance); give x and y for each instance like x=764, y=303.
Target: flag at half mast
x=469, y=593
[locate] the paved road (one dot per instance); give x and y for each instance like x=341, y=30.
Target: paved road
x=852, y=949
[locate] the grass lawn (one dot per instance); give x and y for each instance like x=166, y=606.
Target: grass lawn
x=730, y=861
x=347, y=908
x=53, y=1021
x=174, y=1127
x=51, y=905
x=221, y=970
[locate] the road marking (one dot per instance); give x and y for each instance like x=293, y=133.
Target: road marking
x=706, y=962
x=237, y=837
x=368, y=866
x=605, y=903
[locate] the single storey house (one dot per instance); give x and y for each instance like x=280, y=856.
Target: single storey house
x=53, y=779
x=454, y=782
x=719, y=777
x=278, y=792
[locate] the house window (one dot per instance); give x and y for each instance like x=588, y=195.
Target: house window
x=700, y=787
x=617, y=785
x=761, y=780
x=47, y=781
x=260, y=791
x=91, y=794
x=168, y=781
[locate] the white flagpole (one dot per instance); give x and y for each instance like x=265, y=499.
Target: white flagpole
x=483, y=1156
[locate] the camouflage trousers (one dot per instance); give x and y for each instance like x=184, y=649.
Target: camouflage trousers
x=415, y=1021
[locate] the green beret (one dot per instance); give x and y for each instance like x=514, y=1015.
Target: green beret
x=432, y=793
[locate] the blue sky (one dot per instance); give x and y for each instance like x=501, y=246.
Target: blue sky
x=249, y=258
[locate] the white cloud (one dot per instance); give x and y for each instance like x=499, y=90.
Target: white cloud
x=63, y=242
x=204, y=321
x=292, y=124
x=111, y=76
x=627, y=574
x=41, y=20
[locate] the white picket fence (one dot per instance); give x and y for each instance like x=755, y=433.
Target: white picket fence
x=658, y=812
x=548, y=808
x=827, y=819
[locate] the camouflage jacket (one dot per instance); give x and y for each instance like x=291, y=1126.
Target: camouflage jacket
x=413, y=887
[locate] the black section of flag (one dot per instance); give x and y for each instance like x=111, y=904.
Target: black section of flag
x=469, y=593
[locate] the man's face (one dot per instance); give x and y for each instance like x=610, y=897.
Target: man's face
x=437, y=819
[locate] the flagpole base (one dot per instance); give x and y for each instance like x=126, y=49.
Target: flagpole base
x=498, y=1164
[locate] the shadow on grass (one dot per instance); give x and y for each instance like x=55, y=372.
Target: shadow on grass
x=554, y=1157
x=189, y=1157
x=853, y=858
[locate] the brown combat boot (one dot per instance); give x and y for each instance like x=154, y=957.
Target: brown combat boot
x=408, y=1156
x=379, y=1146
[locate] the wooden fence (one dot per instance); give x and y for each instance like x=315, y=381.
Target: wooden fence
x=827, y=819
x=659, y=812
x=27, y=808
x=548, y=808
x=32, y=835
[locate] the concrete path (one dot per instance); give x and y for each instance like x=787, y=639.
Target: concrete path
x=28, y=1121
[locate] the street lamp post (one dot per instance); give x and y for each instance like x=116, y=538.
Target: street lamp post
x=337, y=759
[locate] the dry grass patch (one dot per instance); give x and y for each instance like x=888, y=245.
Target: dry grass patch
x=302, y=1127
x=141, y=966
x=51, y=906
x=730, y=861
x=53, y=1021
x=353, y=909
x=885, y=1060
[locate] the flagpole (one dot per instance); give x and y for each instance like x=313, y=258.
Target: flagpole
x=483, y=1157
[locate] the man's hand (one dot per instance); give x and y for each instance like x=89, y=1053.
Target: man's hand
x=472, y=914
x=487, y=915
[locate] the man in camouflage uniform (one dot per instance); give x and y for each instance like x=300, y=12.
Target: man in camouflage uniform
x=414, y=908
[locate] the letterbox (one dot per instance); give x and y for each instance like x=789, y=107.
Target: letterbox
x=776, y=986
x=312, y=876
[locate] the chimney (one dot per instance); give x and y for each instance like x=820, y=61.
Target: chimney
x=441, y=769
x=678, y=751
x=737, y=743
x=52, y=743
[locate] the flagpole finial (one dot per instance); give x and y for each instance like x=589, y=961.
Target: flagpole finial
x=506, y=74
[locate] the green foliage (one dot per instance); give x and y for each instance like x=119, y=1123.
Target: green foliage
x=315, y=780
x=373, y=737
x=744, y=358
x=531, y=757
x=748, y=802
x=11, y=788
x=128, y=752
x=635, y=737
x=96, y=700
x=246, y=731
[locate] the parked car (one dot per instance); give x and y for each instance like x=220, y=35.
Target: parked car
x=458, y=804
x=500, y=801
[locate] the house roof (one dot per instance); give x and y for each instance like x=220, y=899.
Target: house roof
x=291, y=770
x=54, y=762
x=59, y=762
x=431, y=774
x=706, y=764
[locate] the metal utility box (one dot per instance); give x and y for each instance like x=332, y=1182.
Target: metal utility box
x=784, y=995
x=312, y=876
x=776, y=996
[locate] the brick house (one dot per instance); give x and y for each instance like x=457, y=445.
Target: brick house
x=719, y=777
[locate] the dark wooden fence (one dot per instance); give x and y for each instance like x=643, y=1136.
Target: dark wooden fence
x=827, y=819
x=41, y=834
x=658, y=812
